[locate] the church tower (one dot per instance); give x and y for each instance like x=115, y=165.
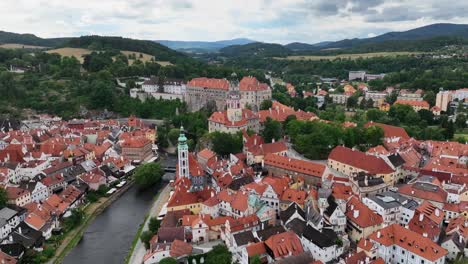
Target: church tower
x=234, y=110
x=183, y=152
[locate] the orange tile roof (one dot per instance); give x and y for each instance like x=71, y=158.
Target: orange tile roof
x=7, y=259
x=284, y=244
x=413, y=103
x=252, y=84
x=206, y=154
x=295, y=165
x=222, y=118
x=390, y=131
x=256, y=249
x=204, y=82
x=360, y=160
x=297, y=196
x=397, y=235
x=365, y=218
x=180, y=248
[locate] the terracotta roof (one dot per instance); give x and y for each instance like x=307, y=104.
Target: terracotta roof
x=390, y=131
x=180, y=248
x=413, y=103
x=256, y=249
x=284, y=244
x=7, y=259
x=297, y=196
x=206, y=154
x=295, y=165
x=360, y=214
x=252, y=84
x=280, y=112
x=15, y=192
x=136, y=142
x=397, y=235
x=222, y=118
x=204, y=82
x=360, y=160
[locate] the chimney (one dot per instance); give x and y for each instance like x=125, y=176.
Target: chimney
x=10, y=238
x=356, y=213
x=424, y=234
x=19, y=230
x=378, y=234
x=421, y=217
x=437, y=212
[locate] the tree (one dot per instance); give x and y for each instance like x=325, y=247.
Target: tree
x=173, y=135
x=75, y=218
x=430, y=97
x=450, y=130
x=3, y=198
x=168, y=260
x=146, y=237
x=148, y=174
x=460, y=122
x=225, y=143
x=219, y=255
x=272, y=130
x=266, y=104
x=154, y=225
x=255, y=260
x=352, y=102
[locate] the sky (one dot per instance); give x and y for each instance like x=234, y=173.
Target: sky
x=278, y=21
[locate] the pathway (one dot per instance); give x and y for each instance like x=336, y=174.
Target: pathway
x=139, y=251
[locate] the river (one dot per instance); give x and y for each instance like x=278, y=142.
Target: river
x=109, y=237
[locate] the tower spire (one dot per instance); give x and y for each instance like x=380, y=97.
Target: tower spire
x=182, y=149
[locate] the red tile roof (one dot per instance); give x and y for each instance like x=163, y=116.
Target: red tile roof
x=180, y=248
x=222, y=118
x=284, y=244
x=360, y=160
x=295, y=165
x=204, y=82
x=252, y=84
x=409, y=240
x=297, y=196
x=256, y=249
x=360, y=214
x=390, y=131
x=413, y=103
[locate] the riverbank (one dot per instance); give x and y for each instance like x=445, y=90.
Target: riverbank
x=137, y=250
x=91, y=211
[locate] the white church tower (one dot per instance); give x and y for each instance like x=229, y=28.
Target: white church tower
x=183, y=152
x=234, y=110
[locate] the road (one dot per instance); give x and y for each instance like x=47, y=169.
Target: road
x=139, y=250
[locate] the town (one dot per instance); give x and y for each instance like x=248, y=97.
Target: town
x=404, y=201
x=220, y=132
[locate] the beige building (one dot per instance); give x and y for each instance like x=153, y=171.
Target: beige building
x=137, y=148
x=443, y=99
x=201, y=91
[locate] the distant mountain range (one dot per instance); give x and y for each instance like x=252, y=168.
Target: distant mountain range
x=203, y=46
x=425, y=32
x=422, y=38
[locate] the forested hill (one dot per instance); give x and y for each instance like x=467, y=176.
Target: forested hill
x=30, y=39
x=119, y=43
x=256, y=49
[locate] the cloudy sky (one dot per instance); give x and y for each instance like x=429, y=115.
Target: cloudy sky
x=280, y=21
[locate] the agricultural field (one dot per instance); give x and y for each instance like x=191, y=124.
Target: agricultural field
x=19, y=46
x=350, y=56
x=79, y=54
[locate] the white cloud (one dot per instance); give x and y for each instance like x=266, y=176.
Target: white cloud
x=264, y=20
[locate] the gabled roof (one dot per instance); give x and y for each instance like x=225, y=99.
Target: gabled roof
x=243, y=238
x=390, y=131
x=397, y=235
x=361, y=160
x=290, y=211
x=296, y=165
x=326, y=238
x=284, y=244
x=361, y=215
